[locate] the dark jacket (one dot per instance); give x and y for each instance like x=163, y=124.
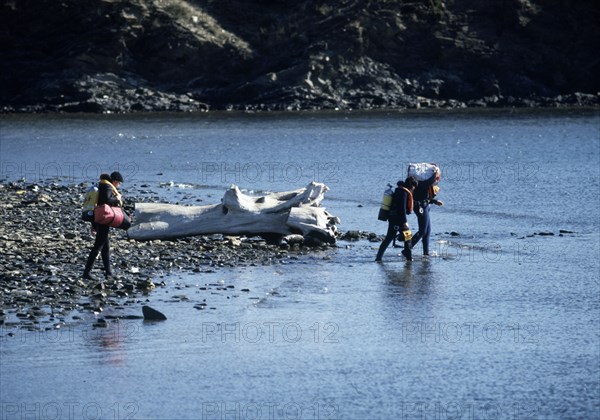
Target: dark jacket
x=421, y=192
x=107, y=196
x=399, y=207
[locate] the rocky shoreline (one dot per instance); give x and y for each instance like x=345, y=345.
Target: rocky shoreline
x=120, y=98
x=111, y=94
x=44, y=245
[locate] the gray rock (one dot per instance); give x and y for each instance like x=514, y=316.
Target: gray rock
x=151, y=314
x=351, y=235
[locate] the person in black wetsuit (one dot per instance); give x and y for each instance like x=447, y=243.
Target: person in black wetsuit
x=423, y=196
x=107, y=194
x=402, y=203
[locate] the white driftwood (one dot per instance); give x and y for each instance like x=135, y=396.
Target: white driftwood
x=281, y=213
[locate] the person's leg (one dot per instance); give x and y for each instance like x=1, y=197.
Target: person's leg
x=426, y=230
x=389, y=237
x=407, y=251
x=106, y=256
x=421, y=220
x=101, y=237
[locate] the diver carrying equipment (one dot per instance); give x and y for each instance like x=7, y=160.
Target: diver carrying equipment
x=90, y=201
x=423, y=172
x=386, y=204
x=104, y=214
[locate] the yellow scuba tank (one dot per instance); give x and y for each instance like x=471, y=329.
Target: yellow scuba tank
x=89, y=203
x=386, y=204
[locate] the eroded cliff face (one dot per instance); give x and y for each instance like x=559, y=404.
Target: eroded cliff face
x=136, y=55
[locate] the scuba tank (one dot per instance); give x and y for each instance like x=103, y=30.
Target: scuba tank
x=386, y=204
x=89, y=203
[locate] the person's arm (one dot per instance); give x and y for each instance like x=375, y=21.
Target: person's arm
x=433, y=200
x=436, y=202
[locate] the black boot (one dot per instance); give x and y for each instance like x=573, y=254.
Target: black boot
x=379, y=254
x=88, y=268
x=407, y=251
x=88, y=276
x=89, y=264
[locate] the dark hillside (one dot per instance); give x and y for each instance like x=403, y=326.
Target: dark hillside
x=133, y=55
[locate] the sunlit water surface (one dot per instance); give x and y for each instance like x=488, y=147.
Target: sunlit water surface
x=501, y=323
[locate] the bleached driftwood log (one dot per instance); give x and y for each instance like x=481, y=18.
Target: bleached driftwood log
x=284, y=213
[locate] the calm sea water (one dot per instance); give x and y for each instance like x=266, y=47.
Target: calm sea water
x=502, y=323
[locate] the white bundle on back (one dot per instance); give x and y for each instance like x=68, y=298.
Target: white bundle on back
x=423, y=171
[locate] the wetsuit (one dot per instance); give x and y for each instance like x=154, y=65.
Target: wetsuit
x=102, y=242
x=396, y=222
x=422, y=201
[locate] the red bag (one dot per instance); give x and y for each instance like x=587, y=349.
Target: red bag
x=111, y=216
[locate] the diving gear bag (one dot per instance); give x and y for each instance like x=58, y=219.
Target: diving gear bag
x=112, y=216
x=424, y=171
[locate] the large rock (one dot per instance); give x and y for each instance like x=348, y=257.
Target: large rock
x=151, y=314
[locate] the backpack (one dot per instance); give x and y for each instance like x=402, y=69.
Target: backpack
x=89, y=204
x=424, y=171
x=386, y=204
x=388, y=201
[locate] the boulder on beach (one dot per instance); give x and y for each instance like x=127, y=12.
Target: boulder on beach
x=151, y=314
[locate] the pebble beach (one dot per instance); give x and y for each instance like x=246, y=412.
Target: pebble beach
x=44, y=245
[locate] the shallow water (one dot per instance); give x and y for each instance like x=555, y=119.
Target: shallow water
x=502, y=323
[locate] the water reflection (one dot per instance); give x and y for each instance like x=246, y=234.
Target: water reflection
x=409, y=290
x=415, y=276
x=401, y=275
x=108, y=342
